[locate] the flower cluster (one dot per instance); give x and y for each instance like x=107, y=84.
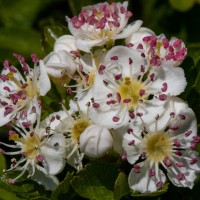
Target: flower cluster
x=119, y=97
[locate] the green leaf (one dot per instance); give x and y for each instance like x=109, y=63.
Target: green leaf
x=5, y=195
x=193, y=101
x=197, y=83
x=2, y=163
x=23, y=188
x=63, y=187
x=153, y=194
x=96, y=181
x=191, y=75
x=20, y=13
x=50, y=34
x=121, y=186
x=197, y=80
x=182, y=5
x=39, y=198
x=24, y=41
x=194, y=51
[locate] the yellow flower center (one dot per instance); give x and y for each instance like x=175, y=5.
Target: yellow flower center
x=157, y=146
x=131, y=91
x=30, y=89
x=31, y=144
x=79, y=126
x=159, y=45
x=91, y=77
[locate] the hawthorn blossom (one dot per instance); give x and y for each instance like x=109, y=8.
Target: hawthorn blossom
x=19, y=94
x=42, y=155
x=126, y=87
x=87, y=67
x=101, y=24
x=95, y=141
x=168, y=142
x=65, y=42
x=84, y=136
x=61, y=122
x=157, y=50
x=60, y=63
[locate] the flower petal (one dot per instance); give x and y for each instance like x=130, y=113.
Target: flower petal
x=44, y=81
x=123, y=56
x=86, y=44
x=50, y=182
x=140, y=180
x=5, y=119
x=117, y=135
x=95, y=141
x=65, y=42
x=173, y=77
x=137, y=36
x=130, y=29
x=108, y=116
x=181, y=177
x=132, y=144
x=57, y=62
x=53, y=153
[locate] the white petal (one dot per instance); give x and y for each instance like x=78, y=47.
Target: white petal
x=95, y=141
x=189, y=124
x=10, y=84
x=189, y=157
x=82, y=100
x=175, y=173
x=130, y=29
x=46, y=122
x=44, y=81
x=75, y=160
x=151, y=110
x=86, y=44
x=137, y=36
x=123, y=54
x=107, y=115
x=50, y=182
x=142, y=182
x=174, y=77
x=56, y=62
x=100, y=91
x=177, y=106
x=53, y=153
x=77, y=33
x=5, y=119
x=65, y=42
x=133, y=151
x=117, y=135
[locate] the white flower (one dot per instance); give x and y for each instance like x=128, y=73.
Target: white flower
x=92, y=139
x=169, y=142
x=19, y=94
x=95, y=141
x=65, y=42
x=42, y=155
x=101, y=24
x=126, y=87
x=62, y=122
x=59, y=64
x=158, y=50
x=87, y=67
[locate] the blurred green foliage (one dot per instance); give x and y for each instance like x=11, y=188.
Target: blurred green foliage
x=22, y=22
x=26, y=27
